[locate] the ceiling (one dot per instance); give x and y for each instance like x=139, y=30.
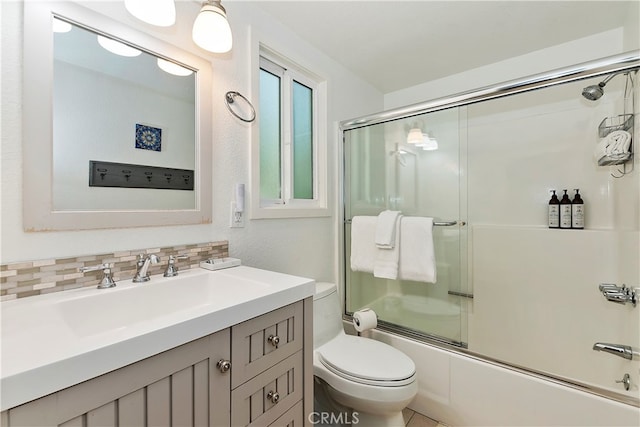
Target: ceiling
x=398, y=44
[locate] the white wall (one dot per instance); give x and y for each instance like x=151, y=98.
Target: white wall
x=304, y=247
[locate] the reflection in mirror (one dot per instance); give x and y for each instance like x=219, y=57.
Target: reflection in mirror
x=85, y=105
x=113, y=102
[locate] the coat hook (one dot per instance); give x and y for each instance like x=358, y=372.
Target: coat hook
x=103, y=172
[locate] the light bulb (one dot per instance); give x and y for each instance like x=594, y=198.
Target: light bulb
x=211, y=31
x=60, y=26
x=173, y=68
x=415, y=136
x=117, y=47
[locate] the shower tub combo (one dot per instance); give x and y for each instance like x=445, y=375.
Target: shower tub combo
x=516, y=305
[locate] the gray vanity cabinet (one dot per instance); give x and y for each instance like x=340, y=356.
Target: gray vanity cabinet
x=179, y=387
x=269, y=382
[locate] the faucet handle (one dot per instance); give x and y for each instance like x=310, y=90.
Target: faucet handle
x=172, y=269
x=107, y=280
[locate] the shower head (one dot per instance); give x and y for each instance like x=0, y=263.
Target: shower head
x=594, y=92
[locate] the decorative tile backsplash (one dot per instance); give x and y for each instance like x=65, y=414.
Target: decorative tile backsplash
x=29, y=278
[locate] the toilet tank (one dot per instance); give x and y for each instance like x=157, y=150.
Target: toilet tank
x=327, y=314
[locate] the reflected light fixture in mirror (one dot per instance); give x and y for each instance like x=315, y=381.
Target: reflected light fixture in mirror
x=211, y=30
x=60, y=26
x=415, y=136
x=429, y=143
x=173, y=68
x=117, y=48
x=155, y=12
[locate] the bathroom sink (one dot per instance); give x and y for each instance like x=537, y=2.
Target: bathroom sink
x=53, y=341
x=162, y=299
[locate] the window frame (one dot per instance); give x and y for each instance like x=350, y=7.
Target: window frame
x=287, y=206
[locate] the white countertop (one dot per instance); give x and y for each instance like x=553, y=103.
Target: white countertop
x=50, y=342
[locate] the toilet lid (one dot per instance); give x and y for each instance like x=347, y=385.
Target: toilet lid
x=367, y=361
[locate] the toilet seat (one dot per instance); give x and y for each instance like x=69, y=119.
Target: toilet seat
x=367, y=361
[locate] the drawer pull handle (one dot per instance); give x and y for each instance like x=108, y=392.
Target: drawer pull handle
x=274, y=340
x=273, y=396
x=223, y=365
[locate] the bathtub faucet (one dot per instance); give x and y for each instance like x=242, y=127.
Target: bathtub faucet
x=624, y=351
x=142, y=265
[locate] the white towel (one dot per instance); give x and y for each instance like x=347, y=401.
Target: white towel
x=417, y=257
x=386, y=264
x=386, y=229
x=363, y=247
x=613, y=148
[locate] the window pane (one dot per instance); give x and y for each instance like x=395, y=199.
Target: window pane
x=302, y=142
x=269, y=136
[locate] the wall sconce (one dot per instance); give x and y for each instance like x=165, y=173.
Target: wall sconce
x=415, y=136
x=211, y=30
x=155, y=12
x=419, y=139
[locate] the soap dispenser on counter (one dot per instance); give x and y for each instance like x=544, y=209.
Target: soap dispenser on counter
x=565, y=211
x=577, y=211
x=554, y=211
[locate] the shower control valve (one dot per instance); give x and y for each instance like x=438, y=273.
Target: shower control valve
x=619, y=294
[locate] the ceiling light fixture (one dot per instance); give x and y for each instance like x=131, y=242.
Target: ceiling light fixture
x=211, y=30
x=117, y=47
x=155, y=12
x=173, y=68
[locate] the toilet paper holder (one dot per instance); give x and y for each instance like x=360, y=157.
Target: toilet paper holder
x=364, y=320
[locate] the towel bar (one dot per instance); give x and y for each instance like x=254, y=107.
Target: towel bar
x=435, y=223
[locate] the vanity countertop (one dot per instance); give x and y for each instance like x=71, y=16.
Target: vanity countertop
x=53, y=341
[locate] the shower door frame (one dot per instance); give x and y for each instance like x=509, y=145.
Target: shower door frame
x=628, y=61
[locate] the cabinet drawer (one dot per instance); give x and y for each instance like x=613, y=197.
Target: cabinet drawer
x=254, y=404
x=263, y=341
x=294, y=417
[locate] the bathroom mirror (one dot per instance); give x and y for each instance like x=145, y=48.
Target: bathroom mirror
x=144, y=112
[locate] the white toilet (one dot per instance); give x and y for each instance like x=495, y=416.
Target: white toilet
x=372, y=378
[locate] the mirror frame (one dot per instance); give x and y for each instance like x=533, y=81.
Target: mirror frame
x=37, y=140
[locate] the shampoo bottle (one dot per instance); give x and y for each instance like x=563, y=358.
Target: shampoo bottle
x=565, y=211
x=554, y=211
x=577, y=211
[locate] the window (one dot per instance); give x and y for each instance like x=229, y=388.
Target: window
x=290, y=148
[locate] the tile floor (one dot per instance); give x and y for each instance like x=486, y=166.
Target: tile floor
x=414, y=419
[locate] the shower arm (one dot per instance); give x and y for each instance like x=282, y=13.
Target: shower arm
x=606, y=80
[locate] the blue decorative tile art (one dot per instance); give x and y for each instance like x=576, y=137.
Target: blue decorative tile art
x=148, y=138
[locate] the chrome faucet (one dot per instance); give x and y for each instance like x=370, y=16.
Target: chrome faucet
x=142, y=265
x=107, y=280
x=624, y=351
x=172, y=268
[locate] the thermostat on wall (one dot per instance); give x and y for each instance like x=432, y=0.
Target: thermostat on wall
x=219, y=263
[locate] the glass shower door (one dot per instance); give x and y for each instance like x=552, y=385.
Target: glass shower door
x=385, y=171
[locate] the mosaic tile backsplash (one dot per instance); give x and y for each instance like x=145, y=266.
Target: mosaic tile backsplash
x=29, y=278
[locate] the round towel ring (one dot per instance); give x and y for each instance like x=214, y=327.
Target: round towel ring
x=229, y=99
